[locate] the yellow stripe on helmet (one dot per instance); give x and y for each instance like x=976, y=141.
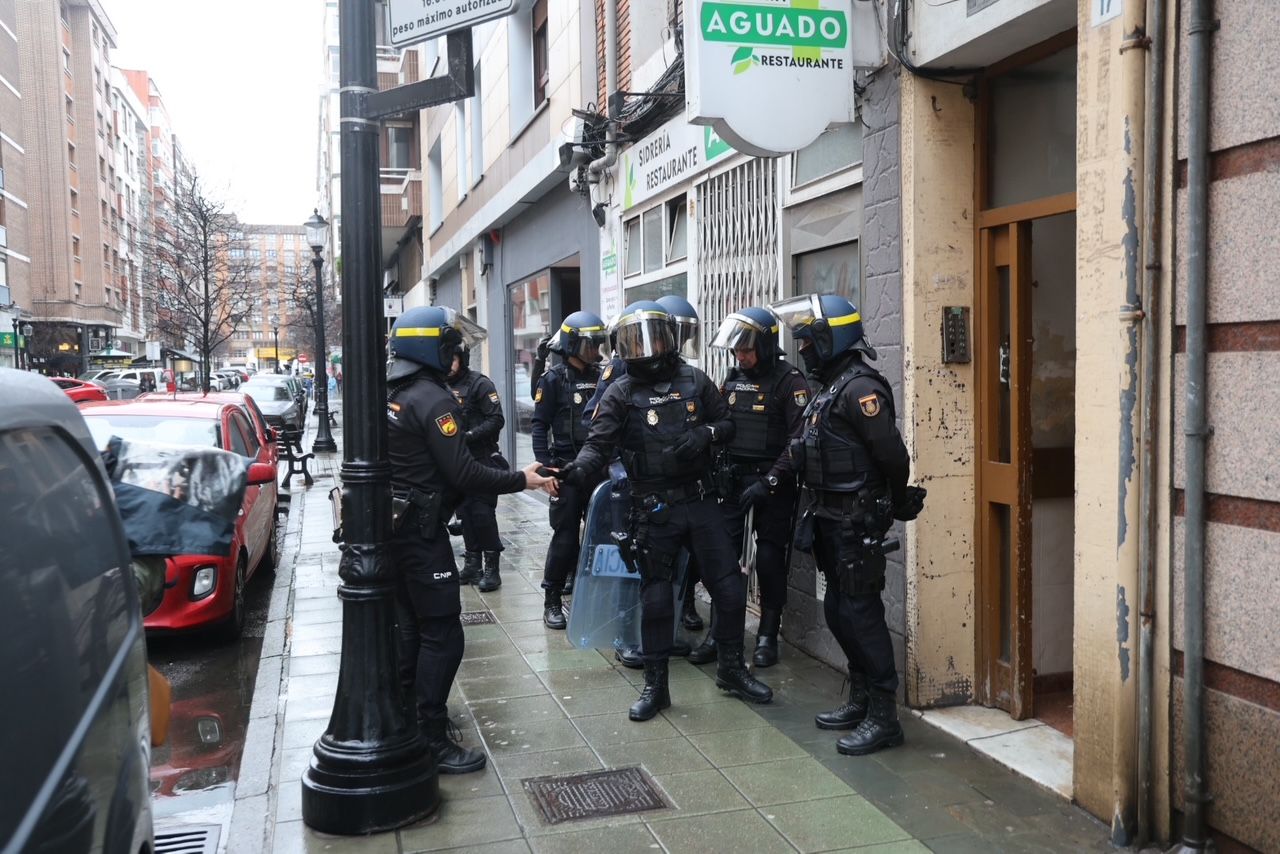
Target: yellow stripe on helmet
x=846, y=320
x=418, y=332
x=567, y=328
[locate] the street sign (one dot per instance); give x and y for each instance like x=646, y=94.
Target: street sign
x=413, y=21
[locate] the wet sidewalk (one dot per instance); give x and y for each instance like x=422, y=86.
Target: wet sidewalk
x=727, y=776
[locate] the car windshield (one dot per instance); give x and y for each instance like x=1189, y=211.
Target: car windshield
x=267, y=391
x=202, y=432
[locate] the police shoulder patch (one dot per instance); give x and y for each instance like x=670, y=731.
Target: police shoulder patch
x=801, y=398
x=537, y=395
x=447, y=424
x=608, y=372
x=493, y=396
x=870, y=405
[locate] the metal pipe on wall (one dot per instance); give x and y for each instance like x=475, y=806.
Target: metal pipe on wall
x=1199, y=59
x=1149, y=418
x=598, y=167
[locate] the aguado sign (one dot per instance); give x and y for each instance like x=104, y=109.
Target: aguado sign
x=769, y=77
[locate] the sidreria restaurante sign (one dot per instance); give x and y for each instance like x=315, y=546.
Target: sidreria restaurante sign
x=769, y=77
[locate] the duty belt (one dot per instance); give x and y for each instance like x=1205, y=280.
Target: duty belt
x=746, y=468
x=842, y=501
x=678, y=494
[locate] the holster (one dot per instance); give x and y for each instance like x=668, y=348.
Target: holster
x=803, y=541
x=418, y=508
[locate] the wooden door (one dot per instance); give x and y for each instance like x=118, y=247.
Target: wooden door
x=1003, y=536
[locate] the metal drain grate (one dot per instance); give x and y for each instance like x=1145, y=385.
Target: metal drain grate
x=188, y=839
x=596, y=794
x=477, y=618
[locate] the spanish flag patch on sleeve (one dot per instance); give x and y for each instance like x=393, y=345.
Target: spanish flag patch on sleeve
x=448, y=426
x=537, y=395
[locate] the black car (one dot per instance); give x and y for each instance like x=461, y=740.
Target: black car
x=76, y=736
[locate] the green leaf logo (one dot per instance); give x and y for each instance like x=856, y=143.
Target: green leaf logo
x=743, y=59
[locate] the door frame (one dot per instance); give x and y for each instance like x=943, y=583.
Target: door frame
x=1002, y=237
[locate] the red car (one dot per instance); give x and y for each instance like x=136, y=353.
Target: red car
x=266, y=434
x=80, y=391
x=201, y=590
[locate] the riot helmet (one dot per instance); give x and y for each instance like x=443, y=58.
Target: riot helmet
x=429, y=337
x=825, y=327
x=752, y=328
x=580, y=336
x=688, y=327
x=644, y=334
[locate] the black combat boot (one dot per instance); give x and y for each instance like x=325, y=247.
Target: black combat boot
x=489, y=578
x=767, y=638
x=705, y=652
x=629, y=657
x=689, y=616
x=851, y=713
x=880, y=728
x=655, y=697
x=733, y=676
x=553, y=610
x=470, y=568
x=445, y=742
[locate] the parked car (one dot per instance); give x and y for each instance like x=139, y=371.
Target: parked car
x=77, y=728
x=278, y=400
x=230, y=379
x=265, y=432
x=135, y=375
x=80, y=391
x=201, y=590
x=96, y=373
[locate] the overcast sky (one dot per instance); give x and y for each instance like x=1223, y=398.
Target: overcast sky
x=241, y=80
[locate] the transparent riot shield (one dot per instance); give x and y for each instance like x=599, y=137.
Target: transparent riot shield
x=605, y=610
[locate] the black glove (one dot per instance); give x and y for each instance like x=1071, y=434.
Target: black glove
x=755, y=494
x=691, y=444
x=574, y=475
x=911, y=503
x=468, y=437
x=544, y=347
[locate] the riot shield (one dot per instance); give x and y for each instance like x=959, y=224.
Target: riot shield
x=605, y=611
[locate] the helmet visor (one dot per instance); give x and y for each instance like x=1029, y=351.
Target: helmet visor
x=645, y=335
x=586, y=342
x=798, y=312
x=472, y=333
x=689, y=337
x=739, y=332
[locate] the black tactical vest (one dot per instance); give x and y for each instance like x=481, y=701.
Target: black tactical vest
x=568, y=429
x=656, y=417
x=760, y=431
x=833, y=461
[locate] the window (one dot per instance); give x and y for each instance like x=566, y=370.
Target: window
x=834, y=270
x=66, y=61
x=71, y=110
x=399, y=147
x=239, y=443
x=464, y=172
x=651, y=231
x=475, y=122
x=435, y=180
x=837, y=148
x=677, y=229
x=540, y=59
x=631, y=247
x=520, y=80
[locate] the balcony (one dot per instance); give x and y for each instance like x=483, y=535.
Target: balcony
x=396, y=68
x=401, y=197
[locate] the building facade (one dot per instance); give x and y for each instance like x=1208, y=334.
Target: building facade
x=280, y=260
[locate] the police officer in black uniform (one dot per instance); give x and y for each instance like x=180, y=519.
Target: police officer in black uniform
x=482, y=424
x=854, y=464
x=431, y=471
x=767, y=397
x=664, y=416
x=559, y=432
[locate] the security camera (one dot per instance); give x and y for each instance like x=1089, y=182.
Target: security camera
x=600, y=214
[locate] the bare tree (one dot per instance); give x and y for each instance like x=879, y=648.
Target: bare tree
x=202, y=282
x=303, y=320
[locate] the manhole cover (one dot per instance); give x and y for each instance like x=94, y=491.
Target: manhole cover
x=187, y=839
x=477, y=618
x=573, y=797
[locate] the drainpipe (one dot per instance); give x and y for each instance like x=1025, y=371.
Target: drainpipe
x=1196, y=798
x=1149, y=417
x=599, y=166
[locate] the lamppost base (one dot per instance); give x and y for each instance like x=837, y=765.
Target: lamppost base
x=353, y=801
x=324, y=446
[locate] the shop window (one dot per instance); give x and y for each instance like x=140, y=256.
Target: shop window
x=834, y=270
x=651, y=233
x=677, y=229
x=656, y=238
x=838, y=148
x=631, y=247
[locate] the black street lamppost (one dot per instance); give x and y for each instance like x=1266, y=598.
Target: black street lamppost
x=318, y=238
x=275, y=329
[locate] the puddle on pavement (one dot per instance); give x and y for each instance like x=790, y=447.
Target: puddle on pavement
x=212, y=684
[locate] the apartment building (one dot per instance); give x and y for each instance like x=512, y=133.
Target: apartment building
x=280, y=260
x=65, y=67
x=132, y=218
x=15, y=259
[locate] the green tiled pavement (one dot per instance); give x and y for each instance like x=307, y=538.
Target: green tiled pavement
x=737, y=778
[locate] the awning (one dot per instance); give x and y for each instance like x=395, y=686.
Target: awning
x=174, y=353
x=111, y=353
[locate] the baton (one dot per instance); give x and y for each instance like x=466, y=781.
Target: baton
x=748, y=559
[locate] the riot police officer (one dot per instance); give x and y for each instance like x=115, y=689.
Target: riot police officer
x=854, y=465
x=767, y=397
x=431, y=471
x=558, y=434
x=482, y=424
x=664, y=416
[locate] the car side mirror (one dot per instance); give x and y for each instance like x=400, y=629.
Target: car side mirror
x=260, y=473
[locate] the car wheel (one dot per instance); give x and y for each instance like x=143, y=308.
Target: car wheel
x=271, y=557
x=233, y=626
